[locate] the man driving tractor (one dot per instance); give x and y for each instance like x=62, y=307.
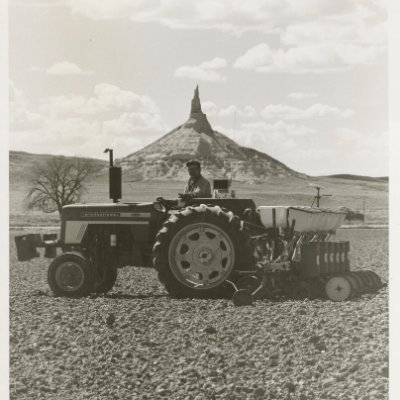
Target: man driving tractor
x=197, y=185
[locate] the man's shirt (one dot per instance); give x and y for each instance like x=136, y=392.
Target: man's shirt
x=199, y=187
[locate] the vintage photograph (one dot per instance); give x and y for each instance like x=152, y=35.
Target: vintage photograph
x=198, y=199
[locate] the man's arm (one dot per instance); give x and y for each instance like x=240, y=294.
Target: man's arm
x=186, y=190
x=202, y=189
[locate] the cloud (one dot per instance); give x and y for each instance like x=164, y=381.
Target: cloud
x=73, y=131
x=358, y=148
x=282, y=111
x=106, y=98
x=279, y=129
x=255, y=58
x=61, y=136
x=302, y=95
x=308, y=150
x=203, y=72
x=334, y=32
x=330, y=42
x=315, y=35
x=199, y=74
x=228, y=16
x=111, y=97
x=79, y=136
x=64, y=68
x=279, y=136
x=111, y=117
x=20, y=117
x=368, y=144
x=215, y=63
x=281, y=140
x=128, y=123
x=247, y=111
x=312, y=58
x=66, y=104
x=209, y=107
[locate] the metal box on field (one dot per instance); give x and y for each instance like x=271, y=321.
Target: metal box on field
x=322, y=258
x=310, y=260
x=26, y=246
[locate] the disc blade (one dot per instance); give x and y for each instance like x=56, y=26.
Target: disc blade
x=355, y=289
x=371, y=279
x=338, y=288
x=360, y=283
x=365, y=279
x=374, y=278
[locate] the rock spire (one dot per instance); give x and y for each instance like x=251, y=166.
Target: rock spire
x=197, y=119
x=196, y=105
x=195, y=138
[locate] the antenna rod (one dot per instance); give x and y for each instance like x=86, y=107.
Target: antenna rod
x=318, y=196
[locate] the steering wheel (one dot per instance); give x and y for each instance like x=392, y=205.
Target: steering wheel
x=161, y=200
x=167, y=204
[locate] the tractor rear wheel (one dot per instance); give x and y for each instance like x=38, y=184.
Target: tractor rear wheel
x=70, y=275
x=198, y=249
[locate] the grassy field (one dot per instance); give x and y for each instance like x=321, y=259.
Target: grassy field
x=345, y=192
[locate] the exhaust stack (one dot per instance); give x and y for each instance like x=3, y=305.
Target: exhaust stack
x=115, y=179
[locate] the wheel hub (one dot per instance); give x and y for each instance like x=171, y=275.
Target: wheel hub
x=69, y=276
x=201, y=255
x=204, y=256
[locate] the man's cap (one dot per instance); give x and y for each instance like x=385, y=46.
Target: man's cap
x=193, y=162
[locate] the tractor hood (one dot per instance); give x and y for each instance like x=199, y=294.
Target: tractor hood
x=139, y=217
x=107, y=211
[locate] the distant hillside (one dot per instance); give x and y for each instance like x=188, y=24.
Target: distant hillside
x=360, y=177
x=273, y=191
x=22, y=163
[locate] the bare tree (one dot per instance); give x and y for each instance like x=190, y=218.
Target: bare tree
x=59, y=182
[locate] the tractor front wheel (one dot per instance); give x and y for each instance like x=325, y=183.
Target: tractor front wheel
x=107, y=282
x=70, y=275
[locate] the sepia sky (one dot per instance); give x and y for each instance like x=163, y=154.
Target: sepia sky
x=304, y=81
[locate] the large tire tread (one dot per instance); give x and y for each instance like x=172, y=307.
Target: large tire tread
x=201, y=213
